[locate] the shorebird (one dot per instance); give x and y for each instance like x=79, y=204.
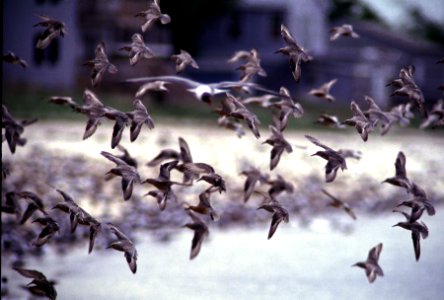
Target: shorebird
x=371, y=265
x=182, y=60
x=200, y=233
x=251, y=66
x=13, y=129
x=157, y=86
x=232, y=107
x=35, y=203
x=254, y=176
x=337, y=203
x=224, y=121
x=400, y=179
x=216, y=181
x=334, y=159
x=376, y=115
x=279, y=144
x=406, y=86
x=363, y=125
x=40, y=285
x=121, y=119
x=152, y=14
x=329, y=121
x=137, y=49
x=435, y=117
x=205, y=91
x=126, y=156
x=100, y=65
x=296, y=53
x=128, y=173
x=11, y=58
x=54, y=28
x=343, y=30
x=48, y=231
x=400, y=114
x=124, y=244
x=324, y=91
x=419, y=200
x=277, y=186
x=279, y=214
x=139, y=116
x=163, y=183
x=78, y=215
x=204, y=206
x=418, y=229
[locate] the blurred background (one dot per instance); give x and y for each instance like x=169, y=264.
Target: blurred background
x=320, y=243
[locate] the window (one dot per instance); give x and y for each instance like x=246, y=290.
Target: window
x=277, y=18
x=234, y=27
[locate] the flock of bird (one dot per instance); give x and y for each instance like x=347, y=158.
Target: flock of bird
x=233, y=111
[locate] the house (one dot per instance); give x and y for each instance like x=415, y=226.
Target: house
x=55, y=66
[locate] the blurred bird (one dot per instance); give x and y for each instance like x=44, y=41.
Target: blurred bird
x=419, y=200
x=78, y=215
x=156, y=86
x=400, y=114
x=35, y=203
x=418, y=229
x=182, y=60
x=254, y=176
x=400, y=179
x=11, y=58
x=40, y=285
x=204, y=207
x=205, y=91
x=277, y=186
x=13, y=129
x=329, y=121
x=48, y=231
x=121, y=119
x=279, y=144
x=363, y=125
x=337, y=203
x=376, y=115
x=163, y=183
x=343, y=30
x=216, y=181
x=128, y=173
x=124, y=244
x=224, y=121
x=152, y=14
x=371, y=265
x=100, y=65
x=324, y=91
x=232, y=107
x=139, y=116
x=406, y=86
x=296, y=53
x=334, y=159
x=54, y=28
x=435, y=117
x=251, y=66
x=200, y=233
x=137, y=49
x=279, y=214
x=126, y=156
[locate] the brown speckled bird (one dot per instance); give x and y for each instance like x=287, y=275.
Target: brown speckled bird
x=182, y=60
x=324, y=91
x=400, y=179
x=11, y=58
x=279, y=214
x=337, y=203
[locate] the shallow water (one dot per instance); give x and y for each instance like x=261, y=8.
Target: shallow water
x=297, y=263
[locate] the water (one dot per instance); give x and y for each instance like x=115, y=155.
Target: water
x=240, y=263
